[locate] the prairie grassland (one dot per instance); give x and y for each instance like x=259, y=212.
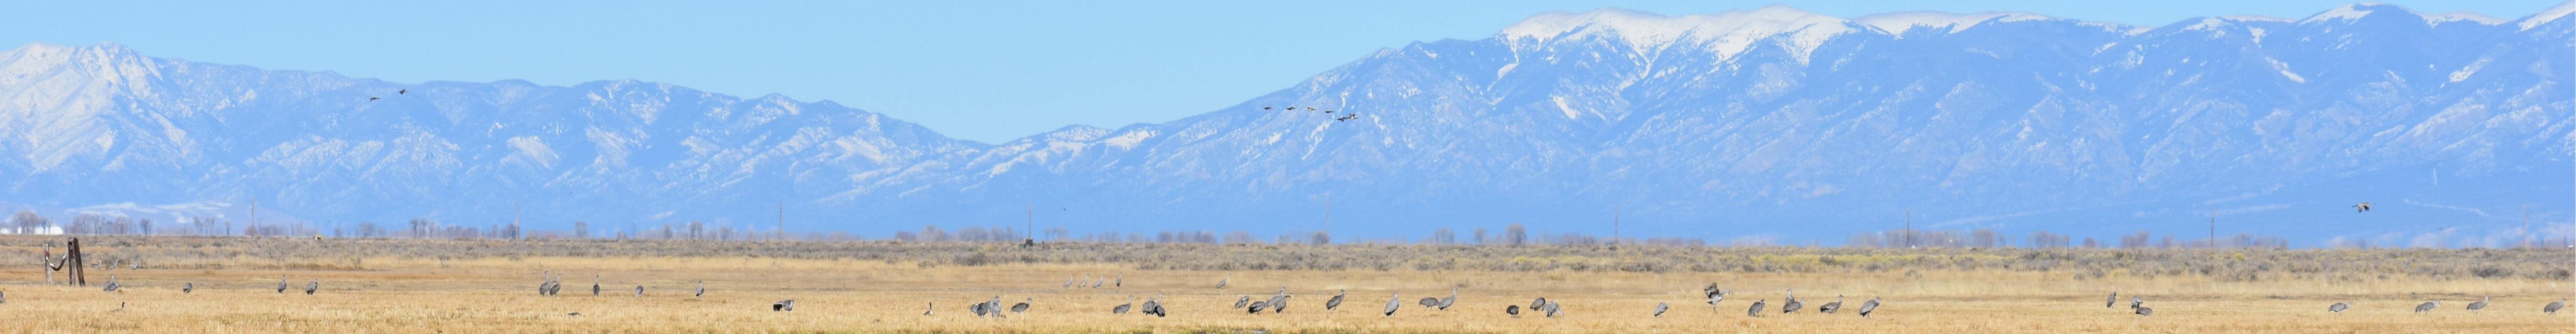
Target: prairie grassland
x=430, y=286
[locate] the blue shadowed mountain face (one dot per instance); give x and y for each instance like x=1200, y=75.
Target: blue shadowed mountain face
x=1770, y=124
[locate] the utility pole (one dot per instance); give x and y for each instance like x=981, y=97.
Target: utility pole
x=2213, y=227
x=782, y=220
x=1614, y=226
x=1328, y=218
x=1909, y=227
x=254, y=215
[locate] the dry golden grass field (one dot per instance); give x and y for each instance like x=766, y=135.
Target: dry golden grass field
x=483, y=286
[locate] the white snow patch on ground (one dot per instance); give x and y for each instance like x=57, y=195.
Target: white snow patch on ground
x=2464, y=72
x=1569, y=111
x=1130, y=139
x=534, y=150
x=2285, y=70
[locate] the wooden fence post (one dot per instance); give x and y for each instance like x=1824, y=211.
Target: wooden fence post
x=78, y=274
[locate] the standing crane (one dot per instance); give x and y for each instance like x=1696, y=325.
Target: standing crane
x=1393, y=302
x=1336, y=302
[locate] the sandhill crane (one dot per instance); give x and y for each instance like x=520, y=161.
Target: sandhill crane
x=994, y=306
x=1713, y=293
x=702, y=289
x=1155, y=306
x=1068, y=281
x=1096, y=282
x=1535, y=304
x=4, y=297
x=2480, y=304
x=1279, y=302
x=977, y=308
x=1023, y=306
x=1554, y=309
x=188, y=288
x=281, y=284
x=1451, y=300
x=2145, y=311
x=1868, y=306
x=2553, y=307
x=1514, y=310
x=1756, y=311
x=2135, y=302
x=2114, y=300
x=313, y=285
x=1122, y=308
x=373, y=99
x=1120, y=282
x=1429, y=302
x=1793, y=304
x=1257, y=306
x=1660, y=307
x=932, y=307
x=1241, y=302
x=639, y=291
x=405, y=91
x=1393, y=302
x=1336, y=302
x=1829, y=308
x=2427, y=306
x=555, y=286
x=594, y=285
x=783, y=305
x=2363, y=207
x=2338, y=308
x=111, y=284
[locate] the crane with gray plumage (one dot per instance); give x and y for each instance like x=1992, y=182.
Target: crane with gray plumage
x=1793, y=304
x=1393, y=302
x=1451, y=300
x=1336, y=302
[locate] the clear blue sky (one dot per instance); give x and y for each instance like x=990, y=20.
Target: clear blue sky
x=985, y=71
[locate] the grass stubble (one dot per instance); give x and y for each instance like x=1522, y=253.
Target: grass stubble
x=428, y=294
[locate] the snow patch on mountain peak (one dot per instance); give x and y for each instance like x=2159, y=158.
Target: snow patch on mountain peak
x=2463, y=16
x=1726, y=33
x=1899, y=22
x=2549, y=15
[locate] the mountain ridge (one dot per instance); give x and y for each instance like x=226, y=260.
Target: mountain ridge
x=1847, y=130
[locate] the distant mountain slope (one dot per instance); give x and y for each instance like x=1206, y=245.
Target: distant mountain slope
x=1772, y=123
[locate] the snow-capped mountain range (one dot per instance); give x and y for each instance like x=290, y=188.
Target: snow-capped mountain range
x=1770, y=123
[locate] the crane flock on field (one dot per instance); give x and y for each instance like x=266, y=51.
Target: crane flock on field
x=1278, y=300
x=551, y=284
